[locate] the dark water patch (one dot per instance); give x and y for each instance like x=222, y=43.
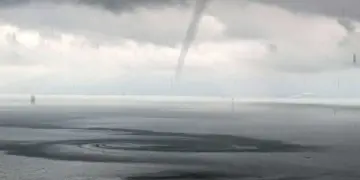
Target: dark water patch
x=304, y=106
x=216, y=174
x=185, y=175
x=121, y=149
x=31, y=126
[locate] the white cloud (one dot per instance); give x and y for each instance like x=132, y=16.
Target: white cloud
x=76, y=55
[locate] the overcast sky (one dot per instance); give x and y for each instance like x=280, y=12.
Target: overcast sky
x=242, y=47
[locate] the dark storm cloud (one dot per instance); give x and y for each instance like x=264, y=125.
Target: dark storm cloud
x=119, y=5
x=111, y=5
x=4, y=3
x=333, y=8
x=74, y=16
x=343, y=10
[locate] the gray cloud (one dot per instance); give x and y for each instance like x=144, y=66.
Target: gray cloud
x=86, y=17
x=347, y=24
x=15, y=59
x=344, y=10
x=111, y=5
x=334, y=8
x=6, y=3
x=119, y=5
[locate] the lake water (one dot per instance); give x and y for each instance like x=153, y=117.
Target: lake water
x=129, y=137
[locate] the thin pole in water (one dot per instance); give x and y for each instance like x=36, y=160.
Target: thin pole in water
x=232, y=104
x=32, y=100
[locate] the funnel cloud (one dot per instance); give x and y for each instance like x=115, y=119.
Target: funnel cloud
x=190, y=35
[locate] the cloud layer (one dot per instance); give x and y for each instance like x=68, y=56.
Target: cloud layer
x=116, y=47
